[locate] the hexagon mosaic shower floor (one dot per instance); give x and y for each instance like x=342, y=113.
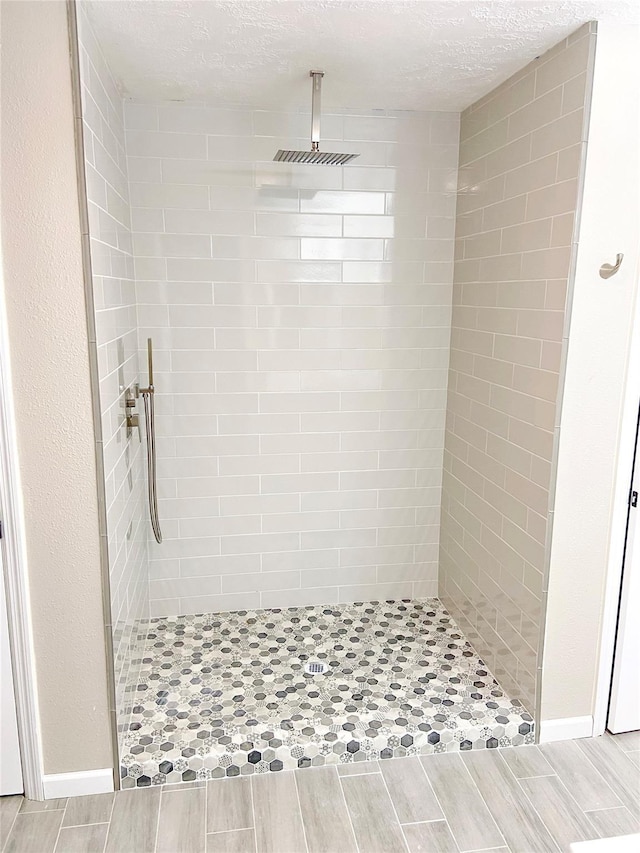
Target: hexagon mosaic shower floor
x=227, y=694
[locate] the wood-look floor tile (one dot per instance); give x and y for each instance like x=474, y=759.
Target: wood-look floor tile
x=374, y=822
x=35, y=832
x=578, y=774
x=610, y=823
x=518, y=821
x=526, y=761
x=469, y=819
x=410, y=791
x=236, y=841
x=617, y=770
x=560, y=813
x=627, y=741
x=327, y=827
x=134, y=821
x=433, y=837
x=9, y=808
x=95, y=808
x=229, y=804
x=29, y=806
x=181, y=827
x=277, y=814
x=357, y=768
x=82, y=839
x=634, y=757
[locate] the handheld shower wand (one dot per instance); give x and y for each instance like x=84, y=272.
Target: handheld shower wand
x=150, y=428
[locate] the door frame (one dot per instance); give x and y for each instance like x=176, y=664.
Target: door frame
x=618, y=712
x=16, y=578
x=619, y=514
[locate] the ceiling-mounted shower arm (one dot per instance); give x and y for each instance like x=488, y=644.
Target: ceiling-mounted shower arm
x=316, y=107
x=324, y=158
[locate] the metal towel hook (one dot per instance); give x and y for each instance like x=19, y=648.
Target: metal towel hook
x=607, y=270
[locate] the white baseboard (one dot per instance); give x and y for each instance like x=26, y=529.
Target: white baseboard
x=569, y=728
x=78, y=784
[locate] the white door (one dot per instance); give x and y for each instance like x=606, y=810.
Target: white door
x=10, y=765
x=624, y=708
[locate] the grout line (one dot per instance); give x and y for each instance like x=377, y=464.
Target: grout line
x=433, y=820
x=344, y=800
x=39, y=811
x=530, y=101
x=580, y=809
x=444, y=815
x=612, y=738
x=601, y=777
x=13, y=823
x=351, y=775
x=384, y=782
x=487, y=849
x=473, y=781
x=605, y=809
x=64, y=811
x=533, y=808
x=517, y=778
x=539, y=775
x=206, y=798
x=236, y=829
x=304, y=832
x=529, y=133
x=155, y=843
x=340, y=779
x=253, y=812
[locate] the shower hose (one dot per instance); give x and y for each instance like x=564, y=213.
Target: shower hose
x=150, y=427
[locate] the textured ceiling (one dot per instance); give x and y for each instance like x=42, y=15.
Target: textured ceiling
x=384, y=54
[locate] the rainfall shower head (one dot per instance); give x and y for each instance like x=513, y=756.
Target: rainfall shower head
x=322, y=158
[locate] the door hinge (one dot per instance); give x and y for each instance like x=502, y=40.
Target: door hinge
x=634, y=499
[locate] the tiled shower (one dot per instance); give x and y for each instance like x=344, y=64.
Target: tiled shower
x=522, y=150
x=300, y=315
x=356, y=374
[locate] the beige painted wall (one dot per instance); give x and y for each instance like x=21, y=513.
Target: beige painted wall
x=520, y=159
x=597, y=364
x=48, y=342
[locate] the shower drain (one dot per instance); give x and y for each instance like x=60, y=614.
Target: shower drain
x=315, y=667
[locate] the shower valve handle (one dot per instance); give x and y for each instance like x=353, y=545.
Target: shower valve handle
x=133, y=422
x=132, y=417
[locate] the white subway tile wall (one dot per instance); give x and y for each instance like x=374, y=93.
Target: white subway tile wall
x=521, y=151
x=117, y=346
x=300, y=318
